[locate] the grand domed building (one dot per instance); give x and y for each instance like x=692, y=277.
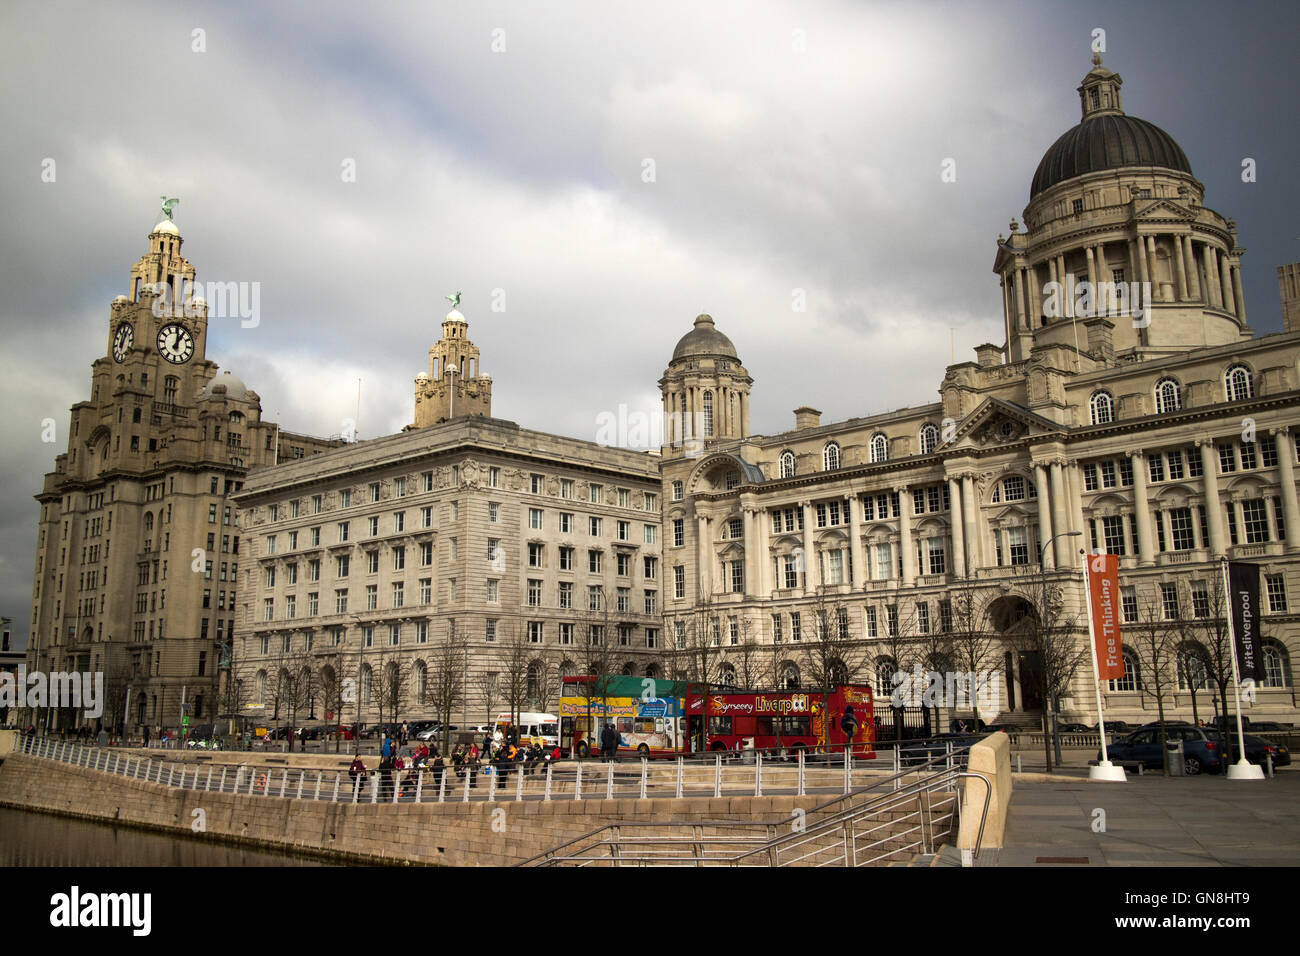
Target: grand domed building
x=1126, y=406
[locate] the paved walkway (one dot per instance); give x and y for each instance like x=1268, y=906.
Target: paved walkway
x=1154, y=821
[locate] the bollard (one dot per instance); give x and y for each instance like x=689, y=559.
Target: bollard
x=609, y=781
x=284, y=782
x=717, y=774
x=848, y=769
x=577, y=783
x=469, y=771
x=419, y=784
x=221, y=787
x=519, y=784
x=645, y=766
x=171, y=774
x=801, y=769
x=397, y=785
x=442, y=785
x=300, y=777
x=680, y=768
x=319, y=774
x=251, y=777
x=758, y=773
x=356, y=787
x=492, y=785
x=547, y=796
x=1268, y=757
x=374, y=787
x=1018, y=770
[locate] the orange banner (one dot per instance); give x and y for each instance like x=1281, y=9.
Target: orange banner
x=1103, y=595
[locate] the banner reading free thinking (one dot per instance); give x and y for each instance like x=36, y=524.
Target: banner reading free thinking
x=1103, y=593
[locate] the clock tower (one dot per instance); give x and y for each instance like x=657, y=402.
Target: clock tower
x=138, y=542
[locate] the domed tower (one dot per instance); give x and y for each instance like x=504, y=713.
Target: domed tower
x=705, y=389
x=1118, y=255
x=453, y=386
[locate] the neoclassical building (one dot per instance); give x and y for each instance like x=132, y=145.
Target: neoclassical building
x=1155, y=425
x=367, y=562
x=138, y=544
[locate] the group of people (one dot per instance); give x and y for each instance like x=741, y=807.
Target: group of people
x=392, y=766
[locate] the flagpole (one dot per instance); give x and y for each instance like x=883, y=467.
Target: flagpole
x=1243, y=769
x=1105, y=770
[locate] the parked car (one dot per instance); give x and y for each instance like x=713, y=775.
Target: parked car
x=1271, y=727
x=1202, y=749
x=966, y=725
x=1010, y=729
x=1076, y=729
x=919, y=753
x=1116, y=728
x=1229, y=723
x=1257, y=749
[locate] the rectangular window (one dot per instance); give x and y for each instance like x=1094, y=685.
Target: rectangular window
x=593, y=493
x=1156, y=468
x=1180, y=525
x=1018, y=543
x=494, y=512
x=494, y=591
x=341, y=601
x=679, y=582
x=869, y=622
x=428, y=480
x=372, y=562
x=1089, y=477
x=1268, y=451
x=1254, y=515
x=593, y=562
x=884, y=561
x=566, y=594
x=651, y=602
x=535, y=518
x=1112, y=528
x=342, y=533
x=399, y=522
x=650, y=568
x=1175, y=461
x=738, y=577
x=534, y=592
x=566, y=487
x=422, y=632
x=536, y=555
x=1107, y=474
x=490, y=629
x=372, y=597
x=594, y=527
x=791, y=568
x=891, y=620
x=1248, y=460
x=679, y=532
x=923, y=617
x=937, y=556
x=796, y=626
x=624, y=530
x=651, y=534
x=341, y=566
x=624, y=600
x=1169, y=601
x=399, y=593
x=776, y=628
x=535, y=632
x=1200, y=599
x=1227, y=458
x=426, y=516
x=566, y=633
x=1275, y=586
x=1128, y=603
x=624, y=565
x=372, y=526
x=566, y=559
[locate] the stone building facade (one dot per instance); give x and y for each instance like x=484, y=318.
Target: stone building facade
x=534, y=555
x=1155, y=427
x=138, y=540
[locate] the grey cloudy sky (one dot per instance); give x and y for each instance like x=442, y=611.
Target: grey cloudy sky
x=520, y=169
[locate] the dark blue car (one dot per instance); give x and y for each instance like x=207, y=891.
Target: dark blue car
x=1202, y=750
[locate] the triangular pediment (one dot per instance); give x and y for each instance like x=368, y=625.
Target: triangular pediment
x=997, y=422
x=1163, y=210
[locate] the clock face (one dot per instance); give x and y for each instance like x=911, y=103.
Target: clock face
x=175, y=343
x=123, y=339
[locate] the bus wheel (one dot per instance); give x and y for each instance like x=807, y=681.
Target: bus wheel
x=643, y=750
x=718, y=745
x=583, y=749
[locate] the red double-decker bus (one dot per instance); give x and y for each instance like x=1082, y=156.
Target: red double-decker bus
x=787, y=720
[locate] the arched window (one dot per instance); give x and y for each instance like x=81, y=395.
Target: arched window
x=830, y=456
x=536, y=675
x=652, y=671
x=260, y=689
x=1277, y=670
x=1168, y=398
x=708, y=414
x=421, y=681
x=1132, y=679
x=629, y=669
x=726, y=674
x=885, y=668
x=568, y=668
x=1102, y=407
x=393, y=682
x=1237, y=384
x=929, y=438
x=367, y=678
x=789, y=676
x=837, y=671
x=787, y=464
x=879, y=448
x=1192, y=672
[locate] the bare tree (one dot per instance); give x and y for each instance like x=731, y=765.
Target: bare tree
x=831, y=655
x=514, y=687
x=488, y=685
x=448, y=664
x=1154, y=642
x=974, y=643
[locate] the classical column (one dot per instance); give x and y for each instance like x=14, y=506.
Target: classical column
x=1212, y=288
x=1225, y=273
x=1044, y=514
x=974, y=553
x=1152, y=259
x=749, y=518
x=1213, y=507
x=1146, y=554
x=1020, y=300
x=1181, y=269
x=1286, y=472
x=1067, y=296
x=1092, y=276
x=1103, y=276
x=1058, y=515
x=810, y=581
x=1193, y=278
x=908, y=552
x=955, y=520
x=704, y=557
x=859, y=580
x=1075, y=478
x=762, y=526
x=1237, y=295
x=1144, y=267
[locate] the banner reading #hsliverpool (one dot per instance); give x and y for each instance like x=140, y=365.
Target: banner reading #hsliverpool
x=1243, y=599
x=1103, y=593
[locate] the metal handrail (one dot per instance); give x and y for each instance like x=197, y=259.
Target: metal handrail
x=592, y=835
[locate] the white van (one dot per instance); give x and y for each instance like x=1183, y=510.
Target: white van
x=533, y=726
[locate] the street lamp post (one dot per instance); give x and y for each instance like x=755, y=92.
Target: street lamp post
x=1045, y=619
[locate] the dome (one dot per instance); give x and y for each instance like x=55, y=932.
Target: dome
x=422, y=377
x=119, y=299
x=704, y=339
x=166, y=226
x=454, y=316
x=1108, y=141
x=224, y=385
